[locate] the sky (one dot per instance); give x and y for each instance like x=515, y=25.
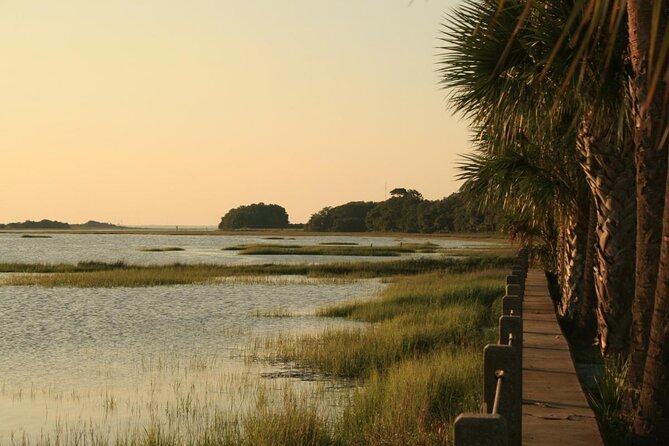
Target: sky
x=175, y=111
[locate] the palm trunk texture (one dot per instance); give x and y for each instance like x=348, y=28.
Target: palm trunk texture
x=611, y=177
x=649, y=358
x=650, y=125
x=575, y=269
x=587, y=323
x=651, y=425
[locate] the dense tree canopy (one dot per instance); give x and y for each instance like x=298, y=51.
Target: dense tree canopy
x=405, y=211
x=257, y=216
x=349, y=217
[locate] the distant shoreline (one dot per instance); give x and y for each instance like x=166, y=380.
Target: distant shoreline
x=264, y=232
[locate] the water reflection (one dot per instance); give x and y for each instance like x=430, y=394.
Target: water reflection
x=115, y=360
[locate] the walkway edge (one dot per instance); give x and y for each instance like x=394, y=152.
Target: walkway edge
x=555, y=410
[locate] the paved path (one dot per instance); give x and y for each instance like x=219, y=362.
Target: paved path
x=555, y=411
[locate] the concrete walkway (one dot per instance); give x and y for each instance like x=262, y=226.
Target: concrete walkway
x=555, y=411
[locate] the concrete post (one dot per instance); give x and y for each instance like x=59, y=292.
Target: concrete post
x=512, y=326
x=480, y=430
x=514, y=290
x=512, y=303
x=504, y=358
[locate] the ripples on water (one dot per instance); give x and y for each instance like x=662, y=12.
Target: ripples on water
x=71, y=353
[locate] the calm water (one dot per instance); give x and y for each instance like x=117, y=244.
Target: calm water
x=112, y=361
x=72, y=248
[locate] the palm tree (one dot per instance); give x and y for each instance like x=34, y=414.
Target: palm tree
x=648, y=46
x=586, y=50
x=548, y=209
x=505, y=77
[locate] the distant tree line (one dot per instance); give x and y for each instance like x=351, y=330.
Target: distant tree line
x=42, y=224
x=54, y=224
x=405, y=211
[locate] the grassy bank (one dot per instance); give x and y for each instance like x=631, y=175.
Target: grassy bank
x=107, y=275
x=334, y=249
x=411, y=403
x=412, y=317
x=419, y=359
x=164, y=249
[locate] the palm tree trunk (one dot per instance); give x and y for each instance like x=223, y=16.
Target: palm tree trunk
x=651, y=165
x=567, y=251
x=587, y=322
x=650, y=357
x=611, y=176
x=576, y=308
x=651, y=425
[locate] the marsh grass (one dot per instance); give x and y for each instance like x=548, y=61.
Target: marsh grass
x=606, y=399
x=284, y=280
x=339, y=243
x=420, y=294
x=296, y=421
x=419, y=359
x=414, y=402
x=115, y=278
x=52, y=268
x=334, y=249
x=357, y=353
x=275, y=312
x=503, y=250
x=108, y=275
x=412, y=317
x=165, y=249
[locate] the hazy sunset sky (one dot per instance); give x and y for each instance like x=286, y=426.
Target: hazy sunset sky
x=173, y=112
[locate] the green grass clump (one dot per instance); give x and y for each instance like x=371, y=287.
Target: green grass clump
x=607, y=398
x=339, y=243
x=319, y=250
x=423, y=293
x=412, y=317
x=61, y=268
x=114, y=278
x=106, y=275
x=415, y=402
x=357, y=353
x=165, y=249
x=274, y=312
x=334, y=249
x=292, y=423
